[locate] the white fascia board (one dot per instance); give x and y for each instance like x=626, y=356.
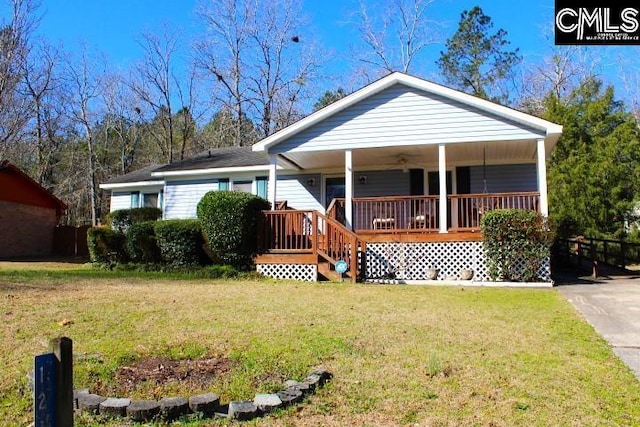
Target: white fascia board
x=551, y=129
x=196, y=172
x=121, y=185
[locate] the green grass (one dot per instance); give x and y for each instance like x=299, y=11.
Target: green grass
x=400, y=355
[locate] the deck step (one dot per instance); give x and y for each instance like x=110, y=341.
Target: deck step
x=325, y=270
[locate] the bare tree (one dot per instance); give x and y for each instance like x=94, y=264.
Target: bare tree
x=85, y=85
x=260, y=61
x=42, y=86
x=121, y=124
x=557, y=74
x=222, y=51
x=15, y=33
x=629, y=74
x=396, y=36
x=153, y=85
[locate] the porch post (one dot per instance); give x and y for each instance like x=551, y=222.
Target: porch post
x=442, y=171
x=348, y=189
x=542, y=178
x=273, y=178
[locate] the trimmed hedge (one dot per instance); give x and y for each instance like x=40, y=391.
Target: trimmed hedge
x=106, y=246
x=141, y=242
x=230, y=225
x=180, y=242
x=517, y=243
x=122, y=219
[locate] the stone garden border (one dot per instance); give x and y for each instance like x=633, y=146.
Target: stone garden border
x=172, y=408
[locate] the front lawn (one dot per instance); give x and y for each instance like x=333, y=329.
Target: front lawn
x=400, y=355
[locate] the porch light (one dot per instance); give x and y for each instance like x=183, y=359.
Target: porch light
x=362, y=179
x=311, y=182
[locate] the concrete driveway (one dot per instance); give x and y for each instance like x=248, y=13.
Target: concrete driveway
x=612, y=306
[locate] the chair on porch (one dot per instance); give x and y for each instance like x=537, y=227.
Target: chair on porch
x=422, y=221
x=383, y=218
x=422, y=216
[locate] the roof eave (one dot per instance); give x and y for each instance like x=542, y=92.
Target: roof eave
x=119, y=185
x=209, y=171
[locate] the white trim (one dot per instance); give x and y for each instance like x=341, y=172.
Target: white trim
x=121, y=185
x=348, y=189
x=442, y=173
x=273, y=180
x=542, y=178
x=195, y=172
x=551, y=129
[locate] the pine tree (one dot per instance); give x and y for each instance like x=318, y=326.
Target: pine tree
x=476, y=61
x=594, y=172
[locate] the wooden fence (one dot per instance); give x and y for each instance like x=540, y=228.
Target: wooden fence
x=613, y=253
x=70, y=241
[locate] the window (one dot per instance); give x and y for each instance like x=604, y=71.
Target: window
x=135, y=199
x=223, y=184
x=242, y=186
x=150, y=200
x=261, y=186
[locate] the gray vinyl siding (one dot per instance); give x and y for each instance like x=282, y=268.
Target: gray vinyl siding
x=404, y=116
x=120, y=200
x=181, y=198
x=505, y=178
x=382, y=183
x=299, y=193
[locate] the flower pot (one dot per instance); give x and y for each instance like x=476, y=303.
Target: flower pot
x=432, y=273
x=466, y=274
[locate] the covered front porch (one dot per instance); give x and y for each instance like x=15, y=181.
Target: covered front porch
x=409, y=168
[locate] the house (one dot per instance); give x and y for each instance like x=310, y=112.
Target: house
x=28, y=215
x=392, y=179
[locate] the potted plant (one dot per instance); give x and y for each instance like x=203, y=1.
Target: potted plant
x=432, y=273
x=466, y=274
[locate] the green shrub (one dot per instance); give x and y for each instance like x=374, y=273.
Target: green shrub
x=230, y=225
x=141, y=242
x=180, y=242
x=517, y=243
x=106, y=246
x=122, y=219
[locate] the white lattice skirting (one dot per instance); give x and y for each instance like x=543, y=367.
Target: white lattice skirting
x=302, y=272
x=410, y=261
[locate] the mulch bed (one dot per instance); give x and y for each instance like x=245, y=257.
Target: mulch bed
x=197, y=373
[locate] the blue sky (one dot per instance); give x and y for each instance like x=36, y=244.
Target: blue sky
x=112, y=26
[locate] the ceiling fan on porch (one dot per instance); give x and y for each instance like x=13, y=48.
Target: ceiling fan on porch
x=402, y=162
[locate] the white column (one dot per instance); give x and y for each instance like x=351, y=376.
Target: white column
x=273, y=179
x=442, y=172
x=348, y=189
x=542, y=178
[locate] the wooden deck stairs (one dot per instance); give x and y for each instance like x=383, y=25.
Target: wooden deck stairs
x=309, y=237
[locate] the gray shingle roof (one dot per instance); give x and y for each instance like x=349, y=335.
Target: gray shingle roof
x=139, y=175
x=226, y=157
x=211, y=159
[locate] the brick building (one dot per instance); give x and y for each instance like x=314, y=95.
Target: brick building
x=28, y=215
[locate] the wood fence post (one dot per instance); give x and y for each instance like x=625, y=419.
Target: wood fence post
x=62, y=348
x=623, y=250
x=594, y=261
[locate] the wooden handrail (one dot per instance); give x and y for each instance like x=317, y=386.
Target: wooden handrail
x=614, y=253
x=411, y=214
x=311, y=232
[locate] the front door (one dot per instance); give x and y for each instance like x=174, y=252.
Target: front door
x=334, y=188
